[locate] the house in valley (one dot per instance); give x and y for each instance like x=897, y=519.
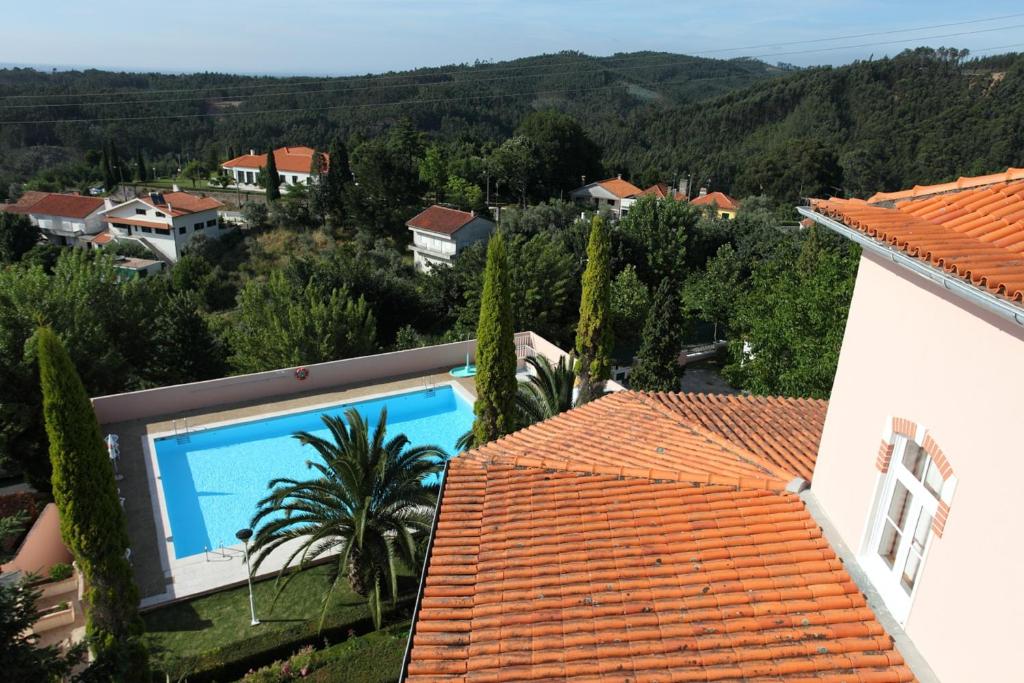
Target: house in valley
x=613, y=194
x=721, y=204
x=439, y=233
x=293, y=167
x=63, y=219
x=163, y=222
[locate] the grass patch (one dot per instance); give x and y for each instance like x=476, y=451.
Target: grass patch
x=213, y=632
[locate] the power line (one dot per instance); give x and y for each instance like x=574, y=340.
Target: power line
x=537, y=66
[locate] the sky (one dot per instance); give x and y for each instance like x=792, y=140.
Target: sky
x=342, y=37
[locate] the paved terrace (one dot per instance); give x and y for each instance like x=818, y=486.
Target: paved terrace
x=137, y=416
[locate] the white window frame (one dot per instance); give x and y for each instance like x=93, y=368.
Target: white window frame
x=885, y=579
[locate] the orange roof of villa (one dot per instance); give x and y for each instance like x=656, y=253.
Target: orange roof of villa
x=181, y=203
x=976, y=233
x=441, y=219
x=619, y=187
x=719, y=199
x=66, y=205
x=623, y=541
x=663, y=190
x=287, y=159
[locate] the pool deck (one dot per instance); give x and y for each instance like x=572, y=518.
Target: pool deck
x=162, y=579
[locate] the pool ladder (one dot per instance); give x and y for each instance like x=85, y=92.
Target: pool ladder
x=429, y=386
x=184, y=436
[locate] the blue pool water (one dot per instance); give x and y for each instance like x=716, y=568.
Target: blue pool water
x=213, y=480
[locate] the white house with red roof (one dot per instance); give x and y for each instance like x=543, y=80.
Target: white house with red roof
x=723, y=205
x=439, y=233
x=613, y=194
x=293, y=167
x=164, y=222
x=64, y=219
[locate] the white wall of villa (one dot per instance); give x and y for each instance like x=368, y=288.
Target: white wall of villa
x=167, y=236
x=63, y=230
x=432, y=249
x=914, y=351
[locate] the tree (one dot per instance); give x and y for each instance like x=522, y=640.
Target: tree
x=371, y=502
x=319, y=202
x=653, y=237
x=389, y=191
x=434, y=170
x=547, y=392
x=272, y=178
x=514, y=164
x=280, y=323
x=91, y=519
x=141, y=172
x=594, y=331
x=107, y=169
x=657, y=364
x=339, y=181
x=193, y=171
x=630, y=301
x=712, y=294
x=495, y=350
x=564, y=150
x=21, y=656
x=183, y=347
x=17, y=236
x=464, y=194
x=790, y=323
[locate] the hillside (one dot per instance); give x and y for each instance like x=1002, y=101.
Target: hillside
x=481, y=102
x=924, y=116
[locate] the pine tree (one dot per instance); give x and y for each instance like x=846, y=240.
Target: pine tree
x=339, y=178
x=495, y=350
x=272, y=179
x=594, y=333
x=140, y=167
x=657, y=364
x=318, y=188
x=91, y=518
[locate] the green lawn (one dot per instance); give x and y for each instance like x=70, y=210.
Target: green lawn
x=201, y=633
x=373, y=658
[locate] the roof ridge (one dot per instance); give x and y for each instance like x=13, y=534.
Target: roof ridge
x=650, y=398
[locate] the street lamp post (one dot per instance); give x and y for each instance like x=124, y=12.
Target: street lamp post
x=244, y=535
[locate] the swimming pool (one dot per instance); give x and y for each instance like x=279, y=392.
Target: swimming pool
x=213, y=479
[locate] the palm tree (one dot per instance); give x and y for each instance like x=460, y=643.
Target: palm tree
x=369, y=503
x=548, y=392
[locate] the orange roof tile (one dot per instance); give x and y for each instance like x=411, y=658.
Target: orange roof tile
x=784, y=431
x=24, y=202
x=619, y=187
x=287, y=159
x=976, y=234
x=66, y=205
x=661, y=191
x=181, y=203
x=441, y=219
x=719, y=199
x=582, y=549
x=962, y=183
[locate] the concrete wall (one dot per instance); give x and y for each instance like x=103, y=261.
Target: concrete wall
x=913, y=351
x=182, y=398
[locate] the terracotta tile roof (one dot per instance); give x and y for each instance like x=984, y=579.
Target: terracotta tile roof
x=784, y=431
x=24, y=203
x=576, y=550
x=962, y=183
x=66, y=205
x=181, y=203
x=619, y=187
x=976, y=234
x=661, y=191
x=287, y=159
x=102, y=238
x=441, y=219
x=720, y=199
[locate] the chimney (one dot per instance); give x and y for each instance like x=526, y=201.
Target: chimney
x=619, y=176
x=684, y=188
x=703, y=192
x=252, y=152
x=472, y=213
x=107, y=204
x=175, y=188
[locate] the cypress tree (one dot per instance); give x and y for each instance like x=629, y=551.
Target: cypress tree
x=594, y=332
x=140, y=168
x=339, y=177
x=495, y=350
x=272, y=179
x=657, y=363
x=91, y=519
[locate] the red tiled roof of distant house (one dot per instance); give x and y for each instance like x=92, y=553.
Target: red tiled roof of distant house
x=66, y=205
x=24, y=203
x=619, y=187
x=661, y=191
x=719, y=199
x=102, y=238
x=181, y=203
x=617, y=542
x=287, y=160
x=441, y=219
x=784, y=431
x=975, y=233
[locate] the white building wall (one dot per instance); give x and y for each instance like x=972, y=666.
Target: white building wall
x=243, y=175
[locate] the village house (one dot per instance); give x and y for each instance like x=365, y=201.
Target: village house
x=293, y=167
x=439, y=233
x=723, y=205
x=163, y=222
x=63, y=219
x=613, y=194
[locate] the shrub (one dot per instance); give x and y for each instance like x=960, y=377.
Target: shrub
x=60, y=571
x=297, y=666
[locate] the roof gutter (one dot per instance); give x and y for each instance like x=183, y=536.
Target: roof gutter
x=990, y=302
x=423, y=573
